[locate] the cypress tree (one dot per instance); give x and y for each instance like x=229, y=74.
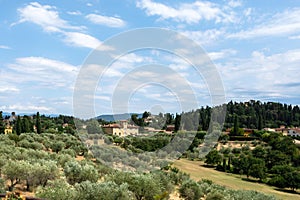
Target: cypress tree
x=2, y=126
x=235, y=125
x=38, y=123
x=25, y=125
x=260, y=122
x=177, y=122
x=18, y=125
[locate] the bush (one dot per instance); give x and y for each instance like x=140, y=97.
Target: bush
x=56, y=190
x=102, y=191
x=190, y=190
x=215, y=196
x=70, y=152
x=78, y=172
x=2, y=185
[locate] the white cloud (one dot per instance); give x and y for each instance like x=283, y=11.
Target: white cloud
x=78, y=39
x=205, y=37
x=42, y=71
x=84, y=40
x=25, y=108
x=32, y=64
x=235, y=3
x=262, y=76
x=74, y=12
x=247, y=12
x=295, y=37
x=48, y=18
x=8, y=89
x=106, y=20
x=221, y=54
x=4, y=47
x=81, y=40
x=112, y=72
x=102, y=97
x=189, y=13
x=281, y=24
x=45, y=16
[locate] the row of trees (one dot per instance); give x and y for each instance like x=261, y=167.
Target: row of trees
x=38, y=123
x=252, y=114
x=275, y=161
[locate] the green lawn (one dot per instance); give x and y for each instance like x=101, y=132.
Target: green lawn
x=197, y=172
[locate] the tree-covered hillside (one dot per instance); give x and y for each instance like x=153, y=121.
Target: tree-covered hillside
x=252, y=114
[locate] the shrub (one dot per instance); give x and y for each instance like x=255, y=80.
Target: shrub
x=56, y=190
x=190, y=190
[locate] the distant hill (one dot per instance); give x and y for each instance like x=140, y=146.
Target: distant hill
x=5, y=114
x=117, y=117
x=29, y=114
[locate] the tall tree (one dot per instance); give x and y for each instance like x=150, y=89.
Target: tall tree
x=177, y=122
x=25, y=125
x=146, y=114
x=235, y=125
x=38, y=123
x=2, y=126
x=18, y=126
x=260, y=122
x=213, y=157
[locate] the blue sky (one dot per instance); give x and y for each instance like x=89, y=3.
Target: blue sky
x=254, y=44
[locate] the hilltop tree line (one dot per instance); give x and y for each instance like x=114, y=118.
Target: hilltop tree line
x=37, y=123
x=252, y=114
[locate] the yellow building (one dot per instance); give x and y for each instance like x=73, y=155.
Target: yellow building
x=8, y=130
x=121, y=129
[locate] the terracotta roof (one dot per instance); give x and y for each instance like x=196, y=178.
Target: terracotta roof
x=132, y=126
x=112, y=126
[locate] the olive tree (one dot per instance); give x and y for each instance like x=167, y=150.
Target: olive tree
x=78, y=172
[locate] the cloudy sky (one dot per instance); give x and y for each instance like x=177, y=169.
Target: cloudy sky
x=254, y=44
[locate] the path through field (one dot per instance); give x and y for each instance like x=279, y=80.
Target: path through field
x=197, y=172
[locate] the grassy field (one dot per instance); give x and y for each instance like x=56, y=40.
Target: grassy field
x=197, y=171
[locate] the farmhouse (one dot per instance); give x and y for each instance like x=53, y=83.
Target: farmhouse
x=294, y=132
x=121, y=129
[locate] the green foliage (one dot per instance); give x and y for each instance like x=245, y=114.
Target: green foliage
x=143, y=186
x=93, y=127
x=102, y=191
x=2, y=185
x=13, y=171
x=118, y=140
x=285, y=177
x=26, y=125
x=18, y=126
x=150, y=143
x=137, y=121
x=56, y=190
x=177, y=122
x=190, y=190
x=213, y=158
x=38, y=123
x=78, y=172
x=2, y=125
x=57, y=146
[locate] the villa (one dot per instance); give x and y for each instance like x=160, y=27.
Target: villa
x=121, y=129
